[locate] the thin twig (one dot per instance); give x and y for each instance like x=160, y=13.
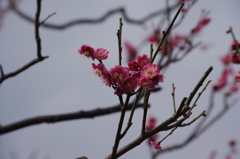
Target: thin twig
x=165, y=34
x=199, y=84
x=119, y=36
x=199, y=95
x=47, y=18
x=173, y=98
x=38, y=42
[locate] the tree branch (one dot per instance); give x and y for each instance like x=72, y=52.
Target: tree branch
x=38, y=42
x=101, y=19
x=62, y=117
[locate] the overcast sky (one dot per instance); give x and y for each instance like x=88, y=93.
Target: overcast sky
x=65, y=82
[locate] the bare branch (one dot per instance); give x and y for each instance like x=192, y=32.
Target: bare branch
x=38, y=42
x=62, y=117
x=23, y=68
x=101, y=19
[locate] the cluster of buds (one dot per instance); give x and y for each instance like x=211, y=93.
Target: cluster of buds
x=232, y=58
x=124, y=80
x=201, y=24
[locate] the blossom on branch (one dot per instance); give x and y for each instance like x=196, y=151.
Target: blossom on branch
x=150, y=125
x=225, y=59
x=118, y=74
x=235, y=58
x=156, y=146
x=101, y=54
x=102, y=73
x=203, y=22
x=235, y=45
x=222, y=81
x=131, y=51
x=143, y=60
x=87, y=51
x=237, y=77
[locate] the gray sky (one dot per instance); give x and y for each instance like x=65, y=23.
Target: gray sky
x=65, y=82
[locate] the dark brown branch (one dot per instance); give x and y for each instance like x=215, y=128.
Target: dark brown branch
x=62, y=117
x=198, y=133
x=39, y=55
x=23, y=68
x=146, y=135
x=101, y=19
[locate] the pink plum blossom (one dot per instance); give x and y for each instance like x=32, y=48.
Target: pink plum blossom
x=131, y=50
x=150, y=125
x=143, y=60
x=155, y=38
x=237, y=77
x=235, y=58
x=235, y=45
x=87, y=51
x=146, y=83
x=156, y=146
x=233, y=88
x=150, y=71
x=203, y=22
x=133, y=66
x=101, y=54
x=102, y=73
x=225, y=59
x=129, y=84
x=118, y=74
x=222, y=81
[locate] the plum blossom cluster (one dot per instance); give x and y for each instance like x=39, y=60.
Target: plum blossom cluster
x=124, y=80
x=232, y=58
x=201, y=24
x=99, y=54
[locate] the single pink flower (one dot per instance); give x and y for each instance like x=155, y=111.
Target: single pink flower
x=129, y=84
x=118, y=74
x=155, y=146
x=143, y=60
x=202, y=23
x=146, y=83
x=149, y=71
x=87, y=51
x=234, y=45
x=133, y=66
x=235, y=58
x=237, y=77
x=131, y=50
x=233, y=88
x=151, y=123
x=101, y=54
x=102, y=73
x=156, y=37
x=225, y=59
